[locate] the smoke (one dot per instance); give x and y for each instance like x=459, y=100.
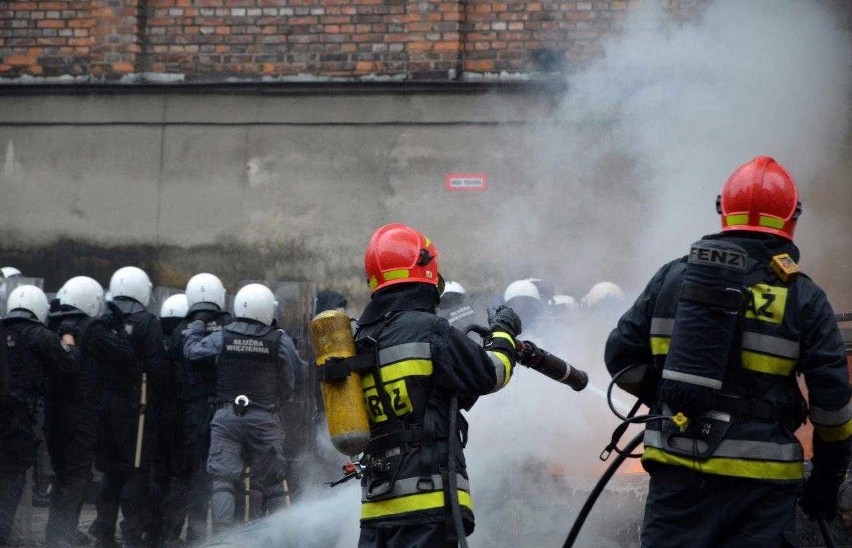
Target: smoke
x=624, y=177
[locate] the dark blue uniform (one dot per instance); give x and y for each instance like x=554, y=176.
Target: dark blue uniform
x=118, y=421
x=740, y=488
x=71, y=418
x=30, y=350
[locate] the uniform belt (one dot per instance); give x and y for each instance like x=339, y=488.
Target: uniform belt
x=754, y=409
x=252, y=405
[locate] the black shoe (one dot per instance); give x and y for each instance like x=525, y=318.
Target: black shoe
x=106, y=543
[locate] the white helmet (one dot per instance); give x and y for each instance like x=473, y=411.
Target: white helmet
x=255, y=302
x=10, y=271
x=132, y=282
x=205, y=288
x=602, y=293
x=453, y=287
x=567, y=301
x=83, y=293
x=521, y=288
x=31, y=299
x=174, y=307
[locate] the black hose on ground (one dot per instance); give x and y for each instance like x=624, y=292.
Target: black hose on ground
x=599, y=487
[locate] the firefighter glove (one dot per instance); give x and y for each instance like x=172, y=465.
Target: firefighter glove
x=819, y=495
x=503, y=318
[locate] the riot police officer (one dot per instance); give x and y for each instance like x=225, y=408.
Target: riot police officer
x=205, y=296
x=167, y=512
x=255, y=375
x=31, y=350
x=72, y=400
x=131, y=394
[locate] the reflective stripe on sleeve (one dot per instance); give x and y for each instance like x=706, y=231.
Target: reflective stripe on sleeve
x=502, y=369
x=660, y=345
x=834, y=433
x=825, y=417
x=410, y=503
x=503, y=335
x=662, y=326
x=692, y=379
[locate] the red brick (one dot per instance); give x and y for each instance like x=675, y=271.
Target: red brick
x=418, y=46
x=479, y=65
x=51, y=24
x=446, y=46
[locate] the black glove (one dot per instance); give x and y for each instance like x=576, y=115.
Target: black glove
x=504, y=318
x=819, y=495
x=68, y=327
x=114, y=317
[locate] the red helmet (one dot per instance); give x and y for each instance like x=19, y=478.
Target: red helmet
x=398, y=254
x=760, y=196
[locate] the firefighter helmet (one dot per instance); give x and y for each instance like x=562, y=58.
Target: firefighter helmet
x=760, y=196
x=398, y=254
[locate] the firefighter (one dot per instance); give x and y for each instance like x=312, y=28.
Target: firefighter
x=73, y=397
x=722, y=361
x=125, y=440
x=31, y=350
x=423, y=363
x=255, y=375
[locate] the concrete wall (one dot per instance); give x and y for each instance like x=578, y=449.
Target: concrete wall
x=253, y=185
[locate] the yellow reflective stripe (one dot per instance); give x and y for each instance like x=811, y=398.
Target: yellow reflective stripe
x=771, y=222
x=410, y=503
x=395, y=274
x=736, y=219
x=763, y=363
x=504, y=335
x=741, y=468
x=405, y=368
x=373, y=282
x=507, y=367
x=834, y=433
x=660, y=345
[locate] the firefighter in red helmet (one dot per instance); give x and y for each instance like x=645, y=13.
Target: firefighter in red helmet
x=722, y=335
x=423, y=362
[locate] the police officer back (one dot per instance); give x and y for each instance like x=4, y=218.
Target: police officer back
x=205, y=296
x=31, y=350
x=126, y=443
x=72, y=400
x=255, y=373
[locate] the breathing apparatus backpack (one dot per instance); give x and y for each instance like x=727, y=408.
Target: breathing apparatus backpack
x=704, y=344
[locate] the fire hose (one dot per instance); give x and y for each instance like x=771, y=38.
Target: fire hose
x=626, y=452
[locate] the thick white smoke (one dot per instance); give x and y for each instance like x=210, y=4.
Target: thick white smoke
x=628, y=176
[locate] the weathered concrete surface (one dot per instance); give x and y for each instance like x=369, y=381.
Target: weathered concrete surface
x=289, y=186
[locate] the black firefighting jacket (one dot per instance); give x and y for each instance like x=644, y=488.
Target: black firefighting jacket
x=423, y=362
x=787, y=330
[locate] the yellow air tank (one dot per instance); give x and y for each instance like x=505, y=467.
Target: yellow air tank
x=343, y=399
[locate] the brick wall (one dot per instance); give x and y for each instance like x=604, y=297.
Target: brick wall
x=210, y=40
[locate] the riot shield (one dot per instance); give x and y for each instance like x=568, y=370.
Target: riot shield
x=7, y=285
